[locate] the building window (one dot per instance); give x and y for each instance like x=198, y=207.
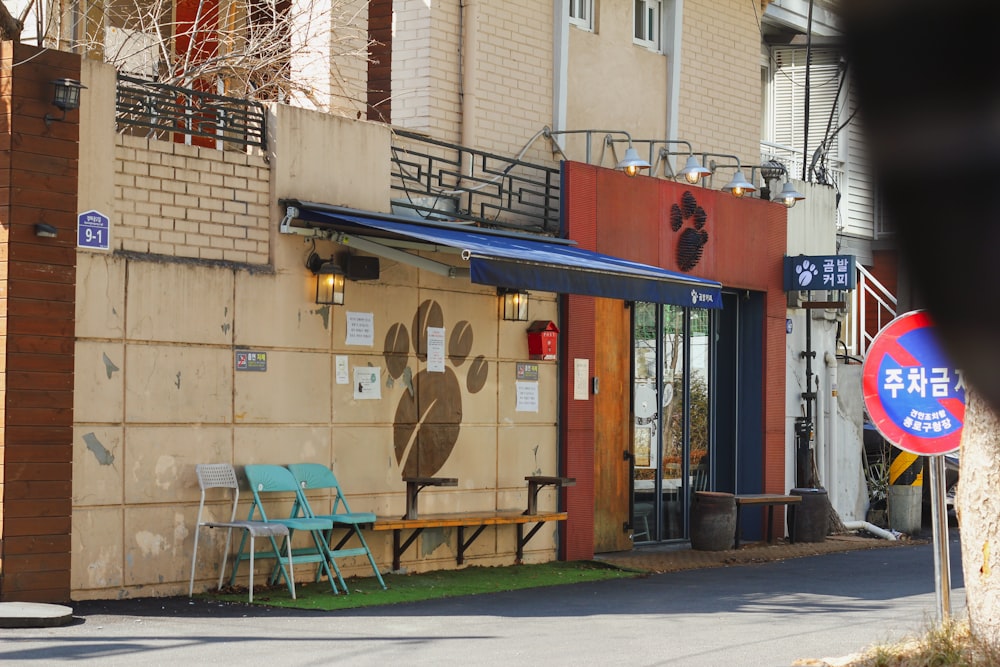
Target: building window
x=581, y=13
x=647, y=23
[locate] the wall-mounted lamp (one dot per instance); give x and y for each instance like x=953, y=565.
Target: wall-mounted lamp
x=631, y=164
x=693, y=170
x=45, y=230
x=738, y=185
x=513, y=304
x=66, y=98
x=329, y=280
x=789, y=195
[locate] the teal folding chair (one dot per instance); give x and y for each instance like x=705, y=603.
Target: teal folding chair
x=265, y=480
x=312, y=476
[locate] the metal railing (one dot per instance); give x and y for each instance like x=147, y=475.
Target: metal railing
x=830, y=173
x=185, y=115
x=872, y=307
x=435, y=180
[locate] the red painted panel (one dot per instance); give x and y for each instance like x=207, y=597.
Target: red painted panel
x=702, y=232
x=636, y=219
x=196, y=37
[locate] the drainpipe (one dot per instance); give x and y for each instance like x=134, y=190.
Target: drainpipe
x=821, y=444
x=833, y=414
x=560, y=58
x=469, y=50
x=871, y=528
x=673, y=31
x=804, y=425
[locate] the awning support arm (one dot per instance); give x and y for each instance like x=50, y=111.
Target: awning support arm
x=369, y=246
x=361, y=243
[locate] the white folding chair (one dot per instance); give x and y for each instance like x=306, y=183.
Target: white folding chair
x=223, y=476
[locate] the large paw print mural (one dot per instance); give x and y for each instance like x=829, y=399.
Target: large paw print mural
x=692, y=217
x=429, y=415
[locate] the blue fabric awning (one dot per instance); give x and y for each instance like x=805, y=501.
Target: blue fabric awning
x=526, y=262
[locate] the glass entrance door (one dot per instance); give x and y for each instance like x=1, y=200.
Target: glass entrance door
x=671, y=408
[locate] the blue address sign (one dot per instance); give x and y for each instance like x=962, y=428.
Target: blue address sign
x=93, y=230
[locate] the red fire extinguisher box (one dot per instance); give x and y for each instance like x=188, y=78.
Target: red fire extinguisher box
x=543, y=339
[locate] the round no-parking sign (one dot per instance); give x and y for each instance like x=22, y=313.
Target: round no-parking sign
x=914, y=395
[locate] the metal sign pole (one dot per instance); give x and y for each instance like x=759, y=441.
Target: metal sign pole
x=907, y=348
x=939, y=521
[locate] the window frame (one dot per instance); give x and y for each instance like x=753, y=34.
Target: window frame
x=651, y=28
x=581, y=14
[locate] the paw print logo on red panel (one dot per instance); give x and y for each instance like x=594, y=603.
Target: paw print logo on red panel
x=692, y=218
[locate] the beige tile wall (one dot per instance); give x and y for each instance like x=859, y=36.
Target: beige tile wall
x=156, y=391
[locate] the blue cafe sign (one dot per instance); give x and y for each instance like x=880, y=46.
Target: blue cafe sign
x=819, y=272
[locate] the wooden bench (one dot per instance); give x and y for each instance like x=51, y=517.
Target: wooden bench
x=765, y=499
x=478, y=520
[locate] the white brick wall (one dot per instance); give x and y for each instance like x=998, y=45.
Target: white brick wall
x=185, y=201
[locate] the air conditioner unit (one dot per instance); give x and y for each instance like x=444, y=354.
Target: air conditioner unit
x=797, y=298
x=132, y=51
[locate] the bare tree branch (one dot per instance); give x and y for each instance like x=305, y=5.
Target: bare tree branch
x=257, y=49
x=10, y=27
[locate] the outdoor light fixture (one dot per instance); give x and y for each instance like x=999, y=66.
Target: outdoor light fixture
x=789, y=195
x=514, y=304
x=693, y=170
x=329, y=280
x=632, y=164
x=45, y=230
x=738, y=185
x=66, y=98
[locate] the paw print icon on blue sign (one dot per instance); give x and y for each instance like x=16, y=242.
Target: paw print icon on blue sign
x=805, y=272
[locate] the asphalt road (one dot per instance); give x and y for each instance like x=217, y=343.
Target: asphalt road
x=771, y=614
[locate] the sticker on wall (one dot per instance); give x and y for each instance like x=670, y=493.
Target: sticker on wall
x=360, y=329
x=251, y=361
x=93, y=230
x=366, y=384
x=527, y=370
x=341, y=369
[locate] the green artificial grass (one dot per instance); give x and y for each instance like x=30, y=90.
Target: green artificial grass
x=365, y=591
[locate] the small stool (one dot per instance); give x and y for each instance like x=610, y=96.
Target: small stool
x=640, y=514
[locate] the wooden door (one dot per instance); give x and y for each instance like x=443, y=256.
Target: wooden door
x=612, y=425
